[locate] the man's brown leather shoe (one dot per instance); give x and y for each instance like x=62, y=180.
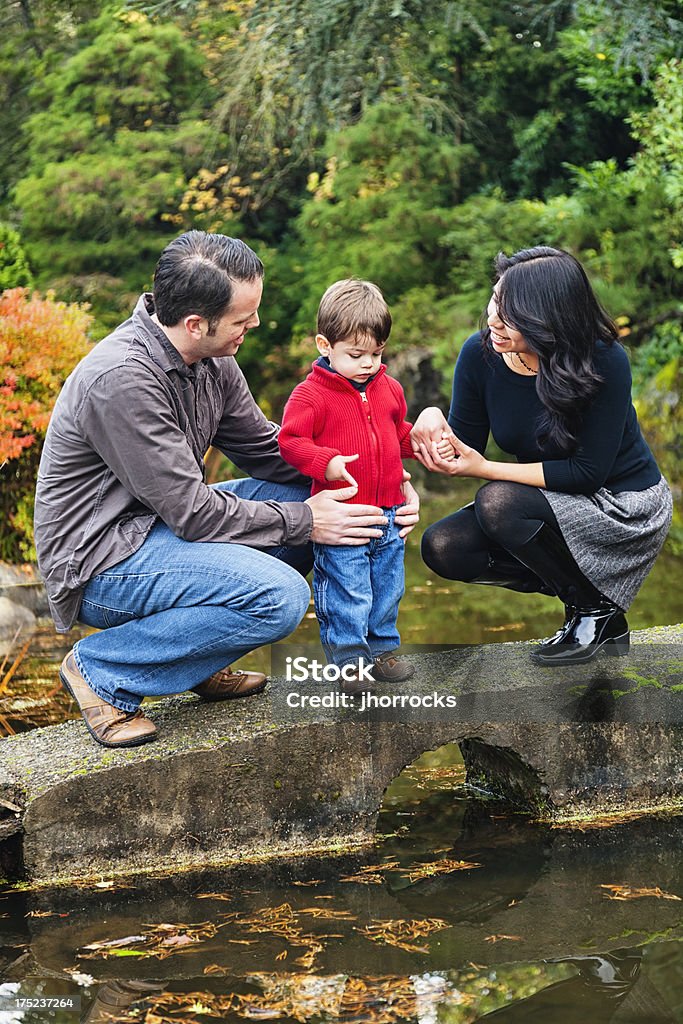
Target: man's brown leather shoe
x=226, y=684
x=110, y=726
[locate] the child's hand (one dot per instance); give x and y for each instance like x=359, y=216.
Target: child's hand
x=336, y=469
x=445, y=448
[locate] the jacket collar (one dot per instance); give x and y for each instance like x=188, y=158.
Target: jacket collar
x=334, y=381
x=155, y=342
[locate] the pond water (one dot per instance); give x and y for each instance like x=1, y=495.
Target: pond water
x=462, y=911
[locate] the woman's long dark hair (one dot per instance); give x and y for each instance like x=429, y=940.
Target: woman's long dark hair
x=545, y=295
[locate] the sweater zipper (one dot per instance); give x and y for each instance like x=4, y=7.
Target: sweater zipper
x=375, y=442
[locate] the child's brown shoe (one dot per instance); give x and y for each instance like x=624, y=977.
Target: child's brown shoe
x=391, y=668
x=227, y=684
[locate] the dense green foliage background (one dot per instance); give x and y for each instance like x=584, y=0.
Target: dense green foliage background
x=403, y=140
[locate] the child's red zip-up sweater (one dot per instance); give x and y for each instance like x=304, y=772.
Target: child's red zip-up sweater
x=326, y=416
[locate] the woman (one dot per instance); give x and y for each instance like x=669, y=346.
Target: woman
x=584, y=511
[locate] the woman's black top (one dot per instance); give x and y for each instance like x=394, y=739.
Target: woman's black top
x=611, y=452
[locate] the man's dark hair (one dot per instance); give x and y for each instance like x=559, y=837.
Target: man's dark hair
x=195, y=274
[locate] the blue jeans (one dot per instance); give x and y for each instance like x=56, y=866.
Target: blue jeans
x=357, y=593
x=176, y=611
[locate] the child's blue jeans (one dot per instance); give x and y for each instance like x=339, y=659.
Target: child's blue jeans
x=357, y=592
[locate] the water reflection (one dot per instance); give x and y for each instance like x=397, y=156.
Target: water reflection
x=460, y=913
x=607, y=988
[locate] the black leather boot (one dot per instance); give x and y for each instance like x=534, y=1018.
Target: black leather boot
x=504, y=570
x=590, y=630
x=592, y=623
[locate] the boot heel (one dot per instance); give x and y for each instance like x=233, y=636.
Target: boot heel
x=618, y=646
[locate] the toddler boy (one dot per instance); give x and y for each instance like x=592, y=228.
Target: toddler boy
x=345, y=424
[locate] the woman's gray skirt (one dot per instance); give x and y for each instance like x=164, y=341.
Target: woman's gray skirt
x=614, y=538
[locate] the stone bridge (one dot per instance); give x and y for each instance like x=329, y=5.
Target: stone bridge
x=262, y=778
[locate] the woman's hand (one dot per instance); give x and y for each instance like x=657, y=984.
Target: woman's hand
x=408, y=515
x=467, y=461
x=430, y=425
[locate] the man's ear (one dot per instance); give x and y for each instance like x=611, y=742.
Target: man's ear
x=323, y=344
x=193, y=325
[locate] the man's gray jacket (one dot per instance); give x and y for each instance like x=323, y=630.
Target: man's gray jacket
x=126, y=446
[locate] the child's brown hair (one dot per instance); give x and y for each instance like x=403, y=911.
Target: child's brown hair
x=353, y=309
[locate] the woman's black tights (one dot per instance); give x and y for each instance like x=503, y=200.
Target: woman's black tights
x=503, y=517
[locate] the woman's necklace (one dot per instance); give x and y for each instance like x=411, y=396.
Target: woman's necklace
x=525, y=364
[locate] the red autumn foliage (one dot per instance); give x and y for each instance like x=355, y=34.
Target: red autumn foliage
x=41, y=340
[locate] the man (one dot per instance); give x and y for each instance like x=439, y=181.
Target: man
x=181, y=577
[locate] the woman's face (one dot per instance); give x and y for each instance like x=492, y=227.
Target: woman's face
x=503, y=337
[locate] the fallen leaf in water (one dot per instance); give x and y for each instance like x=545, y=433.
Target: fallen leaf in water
x=160, y=940
x=130, y=940
x=329, y=915
x=199, y=1007
x=370, y=874
x=499, y=938
x=369, y=879
x=282, y=955
x=213, y=896
x=401, y=933
x=626, y=892
x=286, y=923
x=314, y=881
x=439, y=867
x=308, y=959
x=177, y=940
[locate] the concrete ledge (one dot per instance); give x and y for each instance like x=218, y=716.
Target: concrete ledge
x=256, y=779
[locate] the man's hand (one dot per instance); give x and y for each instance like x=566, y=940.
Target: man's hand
x=431, y=425
x=336, y=523
x=336, y=469
x=408, y=515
